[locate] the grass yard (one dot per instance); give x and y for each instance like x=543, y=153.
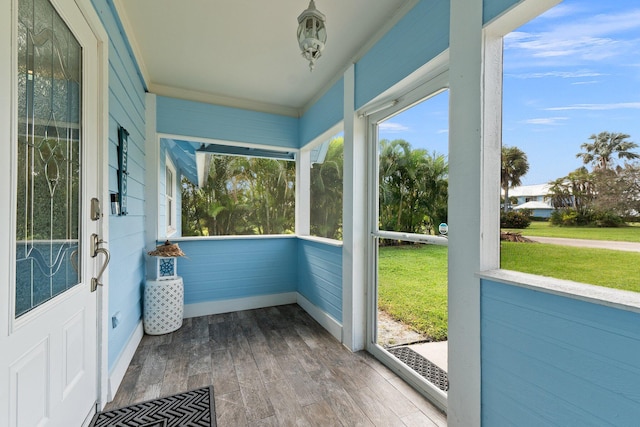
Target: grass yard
x=412, y=287
x=630, y=233
x=602, y=267
x=412, y=284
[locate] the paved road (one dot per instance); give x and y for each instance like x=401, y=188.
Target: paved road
x=598, y=244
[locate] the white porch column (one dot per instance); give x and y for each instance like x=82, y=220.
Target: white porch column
x=303, y=192
x=354, y=221
x=474, y=179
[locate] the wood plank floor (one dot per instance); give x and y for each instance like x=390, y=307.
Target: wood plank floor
x=273, y=367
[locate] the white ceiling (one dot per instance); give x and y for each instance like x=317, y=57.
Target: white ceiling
x=245, y=53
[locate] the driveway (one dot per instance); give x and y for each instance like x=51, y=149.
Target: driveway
x=584, y=243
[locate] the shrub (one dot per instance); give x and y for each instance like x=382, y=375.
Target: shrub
x=608, y=219
x=564, y=217
x=514, y=220
x=571, y=218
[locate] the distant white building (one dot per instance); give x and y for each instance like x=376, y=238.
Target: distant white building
x=536, y=198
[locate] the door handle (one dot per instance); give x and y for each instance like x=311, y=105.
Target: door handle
x=94, y=250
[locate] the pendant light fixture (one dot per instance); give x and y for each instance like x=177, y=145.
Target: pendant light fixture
x=312, y=34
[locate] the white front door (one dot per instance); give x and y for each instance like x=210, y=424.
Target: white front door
x=48, y=176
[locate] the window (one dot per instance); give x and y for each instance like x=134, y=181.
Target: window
x=570, y=110
x=326, y=189
x=170, y=200
x=239, y=195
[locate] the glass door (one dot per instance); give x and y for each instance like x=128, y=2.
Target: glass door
x=408, y=304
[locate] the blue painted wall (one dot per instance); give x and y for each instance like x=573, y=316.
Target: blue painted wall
x=324, y=114
x=221, y=269
x=189, y=118
x=493, y=8
x=126, y=233
x=320, y=276
x=419, y=36
x=551, y=360
x=216, y=270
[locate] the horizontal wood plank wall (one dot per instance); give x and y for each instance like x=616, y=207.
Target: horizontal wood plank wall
x=218, y=270
x=493, y=8
x=320, y=276
x=197, y=119
x=552, y=360
x=324, y=114
x=126, y=233
x=421, y=35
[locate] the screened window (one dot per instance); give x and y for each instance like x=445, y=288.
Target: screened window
x=239, y=195
x=326, y=189
x=571, y=132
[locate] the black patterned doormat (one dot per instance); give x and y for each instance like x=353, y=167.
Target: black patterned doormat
x=418, y=363
x=195, y=408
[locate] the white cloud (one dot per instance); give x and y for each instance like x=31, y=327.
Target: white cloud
x=598, y=107
x=547, y=121
x=560, y=74
x=559, y=11
x=589, y=82
x=392, y=127
x=442, y=131
x=590, y=38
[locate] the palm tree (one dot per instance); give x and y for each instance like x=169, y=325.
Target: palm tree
x=326, y=192
x=514, y=167
x=413, y=187
x=605, y=144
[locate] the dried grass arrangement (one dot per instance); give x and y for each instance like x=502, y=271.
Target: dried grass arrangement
x=167, y=249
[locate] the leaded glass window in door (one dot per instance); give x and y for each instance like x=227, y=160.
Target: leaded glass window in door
x=48, y=155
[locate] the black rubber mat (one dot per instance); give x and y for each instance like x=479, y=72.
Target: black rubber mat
x=194, y=408
x=422, y=366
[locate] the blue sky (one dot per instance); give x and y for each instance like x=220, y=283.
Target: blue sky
x=572, y=72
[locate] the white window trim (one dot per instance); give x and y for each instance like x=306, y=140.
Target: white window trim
x=171, y=226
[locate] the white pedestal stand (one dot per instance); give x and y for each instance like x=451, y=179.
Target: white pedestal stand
x=163, y=306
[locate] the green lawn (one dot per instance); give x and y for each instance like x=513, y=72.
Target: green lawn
x=630, y=233
x=602, y=267
x=412, y=284
x=412, y=287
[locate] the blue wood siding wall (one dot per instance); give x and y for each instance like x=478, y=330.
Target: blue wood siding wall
x=552, y=360
x=324, y=114
x=320, y=276
x=216, y=270
x=418, y=37
x=493, y=8
x=126, y=233
x=189, y=118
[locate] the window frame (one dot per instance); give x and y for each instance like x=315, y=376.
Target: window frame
x=170, y=198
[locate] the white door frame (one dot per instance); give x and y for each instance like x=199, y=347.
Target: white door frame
x=90, y=14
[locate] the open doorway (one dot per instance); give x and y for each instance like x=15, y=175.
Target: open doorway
x=408, y=307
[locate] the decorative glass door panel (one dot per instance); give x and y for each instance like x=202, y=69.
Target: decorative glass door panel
x=48, y=155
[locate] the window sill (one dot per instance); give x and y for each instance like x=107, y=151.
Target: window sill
x=239, y=237
x=615, y=298
x=323, y=240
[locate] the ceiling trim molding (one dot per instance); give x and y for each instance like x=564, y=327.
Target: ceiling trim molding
x=130, y=39
x=226, y=101
x=202, y=140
